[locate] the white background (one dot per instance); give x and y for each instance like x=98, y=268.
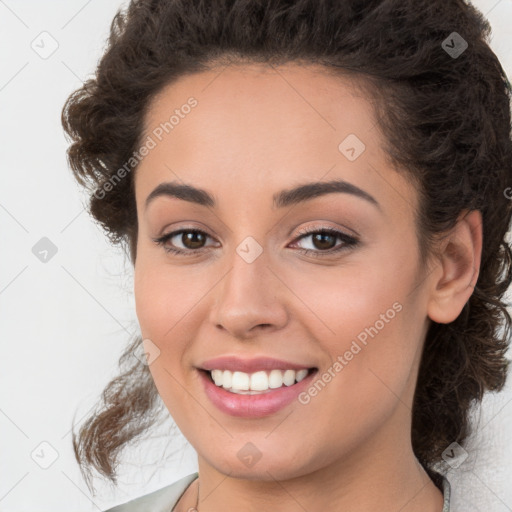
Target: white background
x=64, y=323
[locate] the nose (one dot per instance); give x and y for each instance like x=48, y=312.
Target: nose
x=249, y=299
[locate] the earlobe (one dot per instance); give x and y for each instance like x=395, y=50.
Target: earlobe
x=459, y=265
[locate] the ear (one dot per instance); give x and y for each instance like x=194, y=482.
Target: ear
x=458, y=267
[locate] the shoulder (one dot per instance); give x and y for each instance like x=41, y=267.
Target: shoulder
x=161, y=500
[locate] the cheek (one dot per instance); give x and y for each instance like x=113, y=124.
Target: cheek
x=339, y=303
x=150, y=299
x=366, y=319
x=362, y=322
x=163, y=297
x=370, y=360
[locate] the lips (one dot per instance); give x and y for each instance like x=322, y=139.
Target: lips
x=253, y=365
x=253, y=406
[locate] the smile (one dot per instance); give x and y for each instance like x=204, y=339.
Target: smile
x=255, y=403
x=258, y=382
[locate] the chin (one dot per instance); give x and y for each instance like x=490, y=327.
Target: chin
x=269, y=468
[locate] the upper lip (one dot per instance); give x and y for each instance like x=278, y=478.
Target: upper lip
x=233, y=363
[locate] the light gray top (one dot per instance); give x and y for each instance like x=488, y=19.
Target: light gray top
x=165, y=499
x=162, y=500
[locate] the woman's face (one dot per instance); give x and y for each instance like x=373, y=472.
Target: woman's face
x=252, y=287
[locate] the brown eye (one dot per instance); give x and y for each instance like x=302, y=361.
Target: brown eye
x=324, y=241
x=184, y=241
x=192, y=239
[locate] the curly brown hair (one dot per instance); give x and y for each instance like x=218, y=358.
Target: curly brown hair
x=446, y=120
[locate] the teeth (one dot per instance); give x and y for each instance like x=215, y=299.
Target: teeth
x=275, y=379
x=226, y=378
x=240, y=380
x=217, y=376
x=259, y=381
x=301, y=374
x=254, y=383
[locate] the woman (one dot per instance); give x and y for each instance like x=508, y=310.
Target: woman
x=313, y=196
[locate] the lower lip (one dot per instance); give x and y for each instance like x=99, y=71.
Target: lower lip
x=253, y=406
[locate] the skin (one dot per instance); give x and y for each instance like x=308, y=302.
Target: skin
x=255, y=131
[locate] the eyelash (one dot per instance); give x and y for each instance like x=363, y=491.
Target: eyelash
x=348, y=241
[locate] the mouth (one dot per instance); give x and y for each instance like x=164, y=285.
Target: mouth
x=256, y=383
x=255, y=395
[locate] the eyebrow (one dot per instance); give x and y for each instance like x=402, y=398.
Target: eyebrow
x=288, y=197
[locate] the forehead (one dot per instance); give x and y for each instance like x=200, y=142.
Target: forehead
x=260, y=100
x=262, y=125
